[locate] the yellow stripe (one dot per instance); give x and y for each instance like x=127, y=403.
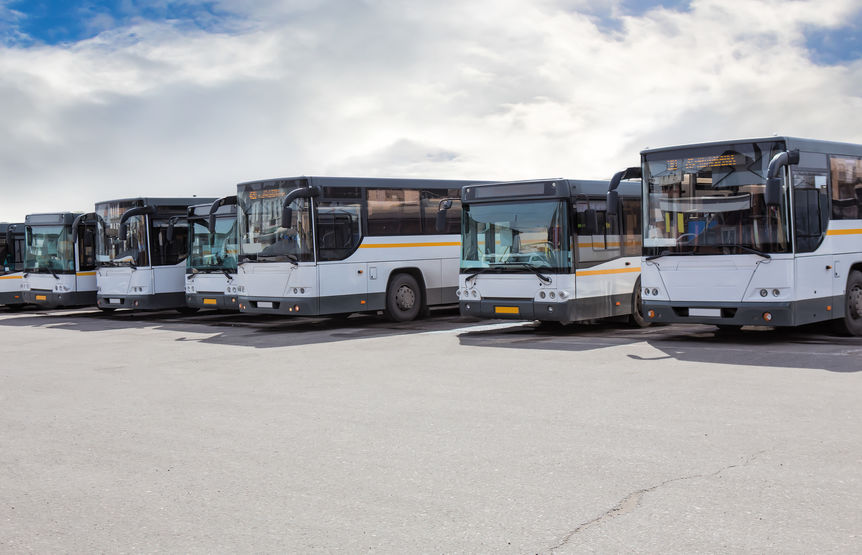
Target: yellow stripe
x=85, y=274
x=606, y=272
x=506, y=310
x=844, y=232
x=402, y=245
x=11, y=277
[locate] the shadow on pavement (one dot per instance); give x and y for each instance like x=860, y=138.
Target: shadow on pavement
x=810, y=347
x=246, y=330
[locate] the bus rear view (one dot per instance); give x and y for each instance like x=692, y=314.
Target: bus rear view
x=756, y=232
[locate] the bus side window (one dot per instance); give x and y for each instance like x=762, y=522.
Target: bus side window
x=393, y=212
x=809, y=208
x=846, y=188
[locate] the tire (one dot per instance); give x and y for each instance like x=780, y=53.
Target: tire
x=636, y=318
x=403, y=299
x=188, y=309
x=851, y=324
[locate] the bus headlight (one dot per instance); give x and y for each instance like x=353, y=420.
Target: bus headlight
x=764, y=292
x=564, y=294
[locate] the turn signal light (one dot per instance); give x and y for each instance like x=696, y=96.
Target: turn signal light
x=651, y=313
x=767, y=316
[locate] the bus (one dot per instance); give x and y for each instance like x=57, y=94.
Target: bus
x=60, y=259
x=338, y=245
x=11, y=265
x=141, y=249
x=547, y=250
x=213, y=249
x=753, y=232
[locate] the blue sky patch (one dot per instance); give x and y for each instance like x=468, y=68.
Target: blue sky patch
x=62, y=21
x=606, y=20
x=838, y=45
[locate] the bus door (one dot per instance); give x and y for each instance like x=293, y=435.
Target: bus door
x=814, y=260
x=342, y=280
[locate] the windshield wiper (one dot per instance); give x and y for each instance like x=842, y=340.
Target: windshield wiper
x=744, y=248
x=226, y=273
x=497, y=267
x=668, y=253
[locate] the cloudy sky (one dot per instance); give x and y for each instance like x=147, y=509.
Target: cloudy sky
x=118, y=98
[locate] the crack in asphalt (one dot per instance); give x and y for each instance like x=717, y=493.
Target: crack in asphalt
x=630, y=502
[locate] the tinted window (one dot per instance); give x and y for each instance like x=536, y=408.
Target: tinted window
x=393, y=212
x=846, y=188
x=430, y=206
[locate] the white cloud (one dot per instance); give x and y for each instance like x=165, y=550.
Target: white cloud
x=486, y=89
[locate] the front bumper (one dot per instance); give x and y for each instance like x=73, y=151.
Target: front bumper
x=159, y=301
x=572, y=310
x=51, y=299
x=286, y=306
x=217, y=301
x=730, y=314
x=12, y=298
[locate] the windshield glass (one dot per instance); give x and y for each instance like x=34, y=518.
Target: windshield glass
x=261, y=234
x=110, y=251
x=213, y=252
x=49, y=249
x=709, y=200
x=510, y=235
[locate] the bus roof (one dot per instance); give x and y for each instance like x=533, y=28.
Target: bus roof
x=562, y=188
x=377, y=182
x=806, y=145
x=49, y=218
x=160, y=201
x=4, y=226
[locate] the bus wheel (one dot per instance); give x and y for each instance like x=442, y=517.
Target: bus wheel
x=188, y=309
x=636, y=318
x=403, y=299
x=851, y=324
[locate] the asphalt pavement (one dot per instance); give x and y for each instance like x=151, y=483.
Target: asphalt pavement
x=156, y=432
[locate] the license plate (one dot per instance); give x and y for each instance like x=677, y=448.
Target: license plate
x=264, y=304
x=709, y=312
x=210, y=301
x=115, y=301
x=506, y=310
x=41, y=297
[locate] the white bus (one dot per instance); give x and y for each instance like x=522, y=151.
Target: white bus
x=337, y=245
x=60, y=260
x=213, y=250
x=753, y=232
x=11, y=265
x=141, y=249
x=546, y=250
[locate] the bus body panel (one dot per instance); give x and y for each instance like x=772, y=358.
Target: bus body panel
x=11, y=291
x=211, y=290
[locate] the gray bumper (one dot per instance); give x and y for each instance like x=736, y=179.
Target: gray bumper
x=160, y=301
x=745, y=314
x=51, y=299
x=216, y=301
x=286, y=306
x=572, y=310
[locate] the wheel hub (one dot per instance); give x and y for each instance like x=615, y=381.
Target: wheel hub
x=855, y=298
x=405, y=298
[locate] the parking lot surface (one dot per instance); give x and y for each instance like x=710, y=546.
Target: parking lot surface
x=153, y=432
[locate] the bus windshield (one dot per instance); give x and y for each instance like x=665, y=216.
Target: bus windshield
x=709, y=200
x=516, y=236
x=213, y=252
x=111, y=251
x=49, y=249
x=261, y=235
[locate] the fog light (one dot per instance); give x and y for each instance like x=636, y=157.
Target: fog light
x=136, y=303
x=467, y=306
x=550, y=309
x=775, y=292
x=764, y=292
x=767, y=316
x=651, y=313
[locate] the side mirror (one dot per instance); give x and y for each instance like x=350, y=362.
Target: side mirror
x=124, y=231
x=613, y=200
x=440, y=222
x=772, y=194
x=286, y=216
x=29, y=236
